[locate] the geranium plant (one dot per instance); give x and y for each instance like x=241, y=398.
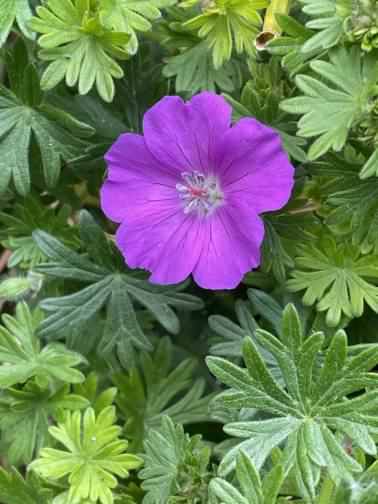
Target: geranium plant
x=188, y=251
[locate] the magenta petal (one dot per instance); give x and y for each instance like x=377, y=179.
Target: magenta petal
x=167, y=244
x=232, y=247
x=136, y=197
x=180, y=254
x=130, y=157
x=112, y=197
x=266, y=190
x=183, y=135
x=254, y=167
x=135, y=178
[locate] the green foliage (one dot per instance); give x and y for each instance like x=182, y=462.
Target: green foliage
x=26, y=119
x=30, y=410
x=89, y=389
x=230, y=336
x=330, y=111
x=79, y=47
x=283, y=230
x=14, y=489
x=93, y=456
x=101, y=370
x=190, y=60
x=362, y=490
x=125, y=16
x=15, y=288
x=362, y=24
x=289, y=45
x=312, y=413
x=22, y=358
x=109, y=286
x=228, y=24
x=328, y=17
x=11, y=11
x=40, y=377
x=370, y=168
x=28, y=215
x=194, y=71
x=176, y=466
x=154, y=389
x=261, y=97
x=336, y=277
x=253, y=490
x=352, y=203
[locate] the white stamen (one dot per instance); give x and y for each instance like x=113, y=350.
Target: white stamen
x=200, y=193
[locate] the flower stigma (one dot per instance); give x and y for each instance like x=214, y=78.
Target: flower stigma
x=200, y=193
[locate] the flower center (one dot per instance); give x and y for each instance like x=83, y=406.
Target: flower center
x=200, y=193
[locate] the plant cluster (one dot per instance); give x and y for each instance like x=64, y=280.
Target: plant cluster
x=118, y=389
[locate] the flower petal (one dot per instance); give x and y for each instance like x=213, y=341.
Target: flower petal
x=180, y=254
x=253, y=165
x=183, y=135
x=231, y=249
x=167, y=243
x=136, y=197
x=130, y=157
x=134, y=178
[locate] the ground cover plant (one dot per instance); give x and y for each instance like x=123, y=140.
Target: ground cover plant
x=189, y=251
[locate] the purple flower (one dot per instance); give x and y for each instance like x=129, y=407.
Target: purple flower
x=188, y=193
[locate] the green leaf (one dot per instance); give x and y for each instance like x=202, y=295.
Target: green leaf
x=23, y=124
x=92, y=455
x=330, y=111
x=30, y=410
x=194, y=71
x=15, y=288
x=257, y=368
x=232, y=335
x=175, y=465
x=304, y=469
x=312, y=413
x=289, y=45
x=11, y=11
x=328, y=17
x=334, y=361
x=89, y=389
x=335, y=277
x=352, y=202
x=261, y=97
x=22, y=219
x=266, y=306
x=80, y=48
x=110, y=285
x=125, y=16
x=362, y=489
x=252, y=489
x=228, y=25
x=154, y=389
x=370, y=168
x=227, y=493
x=261, y=438
x=14, y=489
x=21, y=355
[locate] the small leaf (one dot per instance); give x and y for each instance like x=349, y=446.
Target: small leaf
x=91, y=457
x=330, y=111
x=11, y=11
x=172, y=459
x=112, y=286
x=22, y=358
x=79, y=47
